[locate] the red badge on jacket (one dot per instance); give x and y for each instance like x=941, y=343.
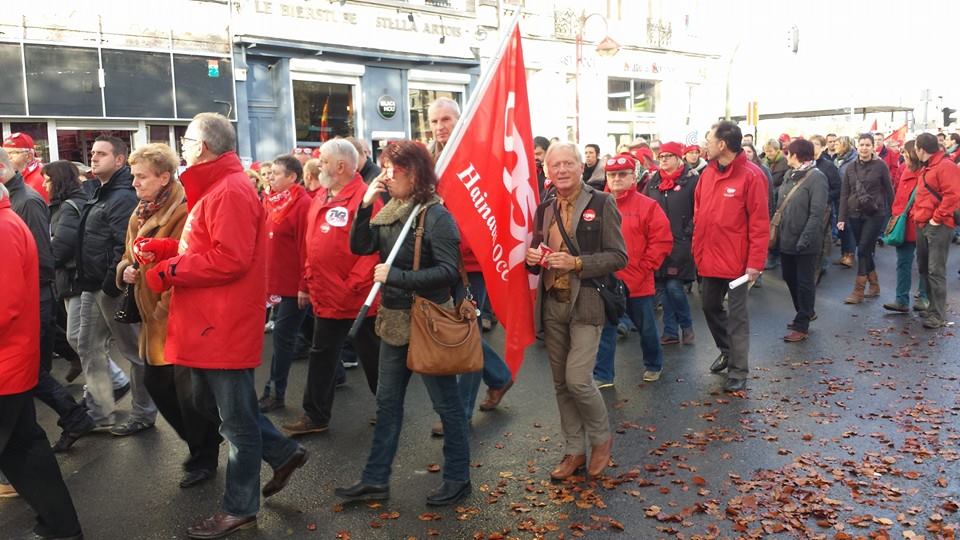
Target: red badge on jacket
x=589, y=215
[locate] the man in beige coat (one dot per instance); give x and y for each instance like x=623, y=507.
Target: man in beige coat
x=569, y=308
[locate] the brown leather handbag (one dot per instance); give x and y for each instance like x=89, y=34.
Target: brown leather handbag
x=443, y=341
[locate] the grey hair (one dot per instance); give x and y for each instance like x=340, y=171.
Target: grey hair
x=446, y=103
x=4, y=194
x=563, y=146
x=216, y=131
x=7, y=164
x=773, y=143
x=343, y=149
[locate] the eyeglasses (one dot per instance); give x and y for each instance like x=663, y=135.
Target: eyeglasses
x=16, y=150
x=183, y=140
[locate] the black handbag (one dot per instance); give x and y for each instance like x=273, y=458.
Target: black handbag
x=128, y=312
x=611, y=289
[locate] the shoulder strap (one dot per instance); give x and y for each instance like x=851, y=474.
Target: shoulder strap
x=923, y=178
x=563, y=230
x=793, y=190
x=73, y=205
x=418, y=243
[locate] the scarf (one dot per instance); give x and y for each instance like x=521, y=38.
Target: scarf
x=669, y=180
x=146, y=209
x=396, y=210
x=280, y=204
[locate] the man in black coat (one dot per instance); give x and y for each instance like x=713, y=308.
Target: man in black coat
x=825, y=164
x=103, y=231
x=30, y=206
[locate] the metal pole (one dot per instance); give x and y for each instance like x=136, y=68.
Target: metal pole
x=576, y=76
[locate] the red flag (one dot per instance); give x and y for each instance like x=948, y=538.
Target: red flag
x=325, y=121
x=873, y=126
x=900, y=135
x=488, y=181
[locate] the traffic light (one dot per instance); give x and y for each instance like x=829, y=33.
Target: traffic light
x=948, y=117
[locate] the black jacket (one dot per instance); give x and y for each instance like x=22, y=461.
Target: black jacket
x=369, y=171
x=103, y=232
x=804, y=215
x=439, y=259
x=865, y=182
x=830, y=170
x=32, y=209
x=677, y=204
x=65, y=241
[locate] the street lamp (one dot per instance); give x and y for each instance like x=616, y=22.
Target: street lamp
x=606, y=48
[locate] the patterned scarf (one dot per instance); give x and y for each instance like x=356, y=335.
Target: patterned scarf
x=146, y=209
x=280, y=204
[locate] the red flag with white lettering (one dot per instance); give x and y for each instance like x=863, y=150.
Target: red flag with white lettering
x=488, y=181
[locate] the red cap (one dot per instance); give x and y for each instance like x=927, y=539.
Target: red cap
x=784, y=138
x=18, y=140
x=316, y=153
x=671, y=147
x=255, y=166
x=691, y=148
x=622, y=162
x=640, y=153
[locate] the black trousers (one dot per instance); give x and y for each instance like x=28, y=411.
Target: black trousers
x=328, y=338
x=866, y=232
x=172, y=391
x=28, y=463
x=800, y=274
x=73, y=416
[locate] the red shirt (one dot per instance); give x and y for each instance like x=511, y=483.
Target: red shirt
x=286, y=247
x=646, y=233
x=19, y=305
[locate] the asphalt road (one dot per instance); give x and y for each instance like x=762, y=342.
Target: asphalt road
x=852, y=433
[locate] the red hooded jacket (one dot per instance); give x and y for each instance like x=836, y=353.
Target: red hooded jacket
x=19, y=305
x=943, y=176
x=731, y=221
x=902, y=190
x=219, y=279
x=286, y=247
x=338, y=281
x=646, y=232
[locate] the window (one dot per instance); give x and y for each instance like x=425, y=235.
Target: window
x=63, y=81
x=75, y=144
x=322, y=111
x=631, y=95
x=138, y=84
x=204, y=84
x=420, y=101
x=11, y=80
x=38, y=131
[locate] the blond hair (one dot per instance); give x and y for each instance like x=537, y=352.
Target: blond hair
x=158, y=156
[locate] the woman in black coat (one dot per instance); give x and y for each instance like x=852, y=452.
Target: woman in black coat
x=673, y=186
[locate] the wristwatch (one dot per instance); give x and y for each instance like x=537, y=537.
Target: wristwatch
x=578, y=264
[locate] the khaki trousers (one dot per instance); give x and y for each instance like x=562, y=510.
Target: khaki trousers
x=572, y=348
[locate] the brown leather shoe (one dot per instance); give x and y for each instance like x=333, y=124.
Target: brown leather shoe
x=845, y=259
x=221, y=524
x=600, y=458
x=494, y=396
x=688, y=336
x=281, y=475
x=568, y=465
x=795, y=336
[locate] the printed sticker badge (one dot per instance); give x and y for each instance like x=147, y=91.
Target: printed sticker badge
x=589, y=215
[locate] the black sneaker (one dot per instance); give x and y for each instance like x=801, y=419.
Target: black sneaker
x=130, y=427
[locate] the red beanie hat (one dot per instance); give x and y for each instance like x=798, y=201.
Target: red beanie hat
x=671, y=147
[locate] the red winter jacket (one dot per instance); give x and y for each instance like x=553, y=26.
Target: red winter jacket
x=892, y=159
x=33, y=177
x=338, y=281
x=646, y=233
x=19, y=305
x=286, y=248
x=904, y=187
x=731, y=221
x=942, y=176
x=219, y=279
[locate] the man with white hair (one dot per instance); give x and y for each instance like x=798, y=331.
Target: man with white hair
x=337, y=283
x=443, y=115
x=217, y=273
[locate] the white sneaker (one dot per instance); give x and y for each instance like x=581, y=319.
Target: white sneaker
x=651, y=376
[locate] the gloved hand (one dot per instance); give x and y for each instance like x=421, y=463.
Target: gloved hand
x=159, y=278
x=150, y=250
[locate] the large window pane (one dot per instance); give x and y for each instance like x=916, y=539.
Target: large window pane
x=204, y=84
x=38, y=131
x=63, y=81
x=75, y=145
x=322, y=111
x=420, y=101
x=631, y=95
x=11, y=80
x=138, y=84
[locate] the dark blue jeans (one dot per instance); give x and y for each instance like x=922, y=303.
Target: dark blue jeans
x=288, y=319
x=905, y=258
x=229, y=397
x=640, y=310
x=391, y=391
x=866, y=231
x=676, y=309
x=495, y=372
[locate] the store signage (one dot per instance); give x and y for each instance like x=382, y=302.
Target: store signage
x=387, y=107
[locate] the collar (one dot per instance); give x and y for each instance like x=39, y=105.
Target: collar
x=5, y=203
x=725, y=170
x=935, y=158
x=197, y=180
x=572, y=199
x=346, y=192
x=15, y=184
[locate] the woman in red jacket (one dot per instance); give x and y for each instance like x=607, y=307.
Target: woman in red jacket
x=287, y=205
x=906, y=185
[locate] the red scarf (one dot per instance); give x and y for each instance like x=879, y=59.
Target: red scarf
x=280, y=204
x=669, y=180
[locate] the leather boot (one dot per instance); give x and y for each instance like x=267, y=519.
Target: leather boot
x=856, y=296
x=873, y=290
x=599, y=458
x=569, y=465
x=846, y=259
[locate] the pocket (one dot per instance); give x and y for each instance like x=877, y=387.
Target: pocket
x=589, y=307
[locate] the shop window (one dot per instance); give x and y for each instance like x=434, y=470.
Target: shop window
x=322, y=111
x=11, y=80
x=158, y=134
x=75, y=144
x=204, y=84
x=420, y=101
x=138, y=84
x=38, y=131
x=63, y=81
x=631, y=95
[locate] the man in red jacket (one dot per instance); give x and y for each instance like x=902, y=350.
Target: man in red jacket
x=938, y=197
x=218, y=275
x=646, y=233
x=22, y=153
x=889, y=156
x=25, y=455
x=730, y=235
x=336, y=283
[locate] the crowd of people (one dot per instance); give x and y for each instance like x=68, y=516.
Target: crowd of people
x=178, y=266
